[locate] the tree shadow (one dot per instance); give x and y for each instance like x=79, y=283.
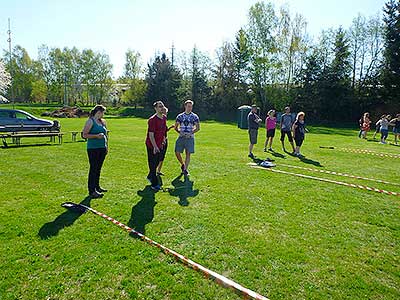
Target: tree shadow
x=143, y=211
x=66, y=219
x=183, y=189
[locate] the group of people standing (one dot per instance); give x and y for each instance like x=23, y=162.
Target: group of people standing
x=381, y=126
x=186, y=125
x=293, y=128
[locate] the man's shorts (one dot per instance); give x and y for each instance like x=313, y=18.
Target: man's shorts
x=253, y=136
x=299, y=141
x=184, y=143
x=289, y=135
x=270, y=133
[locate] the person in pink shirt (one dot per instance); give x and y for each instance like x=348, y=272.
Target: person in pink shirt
x=270, y=125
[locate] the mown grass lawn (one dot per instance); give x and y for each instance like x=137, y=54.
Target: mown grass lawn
x=282, y=236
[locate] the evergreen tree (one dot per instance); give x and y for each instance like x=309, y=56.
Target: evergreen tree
x=163, y=81
x=200, y=91
x=391, y=68
x=335, y=85
x=308, y=97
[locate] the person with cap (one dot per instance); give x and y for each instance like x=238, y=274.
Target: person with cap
x=253, y=124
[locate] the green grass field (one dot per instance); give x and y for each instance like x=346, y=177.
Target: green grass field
x=282, y=236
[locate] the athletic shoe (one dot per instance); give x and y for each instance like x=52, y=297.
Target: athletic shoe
x=265, y=149
x=251, y=155
x=156, y=188
x=186, y=173
x=160, y=174
x=95, y=195
x=270, y=149
x=101, y=190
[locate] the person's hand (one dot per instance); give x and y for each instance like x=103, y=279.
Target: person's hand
x=100, y=135
x=156, y=150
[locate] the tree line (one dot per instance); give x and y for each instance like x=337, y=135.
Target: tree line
x=271, y=61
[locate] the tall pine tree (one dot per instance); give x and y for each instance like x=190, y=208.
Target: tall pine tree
x=163, y=81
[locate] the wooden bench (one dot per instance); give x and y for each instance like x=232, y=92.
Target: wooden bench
x=75, y=133
x=17, y=135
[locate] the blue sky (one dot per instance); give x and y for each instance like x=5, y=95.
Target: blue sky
x=150, y=26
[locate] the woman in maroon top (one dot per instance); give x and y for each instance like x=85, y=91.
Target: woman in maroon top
x=157, y=128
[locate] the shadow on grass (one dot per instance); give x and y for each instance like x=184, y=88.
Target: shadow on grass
x=310, y=161
x=327, y=130
x=66, y=219
x=183, y=189
x=306, y=160
x=143, y=211
x=277, y=154
x=28, y=145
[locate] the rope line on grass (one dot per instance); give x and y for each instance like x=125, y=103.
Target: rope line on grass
x=330, y=181
x=340, y=174
x=365, y=151
x=362, y=151
x=209, y=274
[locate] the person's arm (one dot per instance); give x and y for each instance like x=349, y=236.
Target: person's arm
x=151, y=130
x=177, y=127
x=153, y=142
x=170, y=127
x=294, y=126
x=86, y=130
x=197, y=127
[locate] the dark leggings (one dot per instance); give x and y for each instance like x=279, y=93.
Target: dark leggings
x=153, y=161
x=96, y=159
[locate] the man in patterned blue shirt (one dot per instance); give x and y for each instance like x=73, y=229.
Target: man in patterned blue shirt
x=187, y=124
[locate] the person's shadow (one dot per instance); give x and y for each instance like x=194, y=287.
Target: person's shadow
x=277, y=154
x=183, y=189
x=66, y=219
x=310, y=161
x=143, y=211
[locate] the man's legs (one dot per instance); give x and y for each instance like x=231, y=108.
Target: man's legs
x=153, y=160
x=159, y=166
x=290, y=137
x=283, y=140
x=251, y=146
x=187, y=159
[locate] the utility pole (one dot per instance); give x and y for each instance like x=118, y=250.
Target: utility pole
x=172, y=53
x=10, y=62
